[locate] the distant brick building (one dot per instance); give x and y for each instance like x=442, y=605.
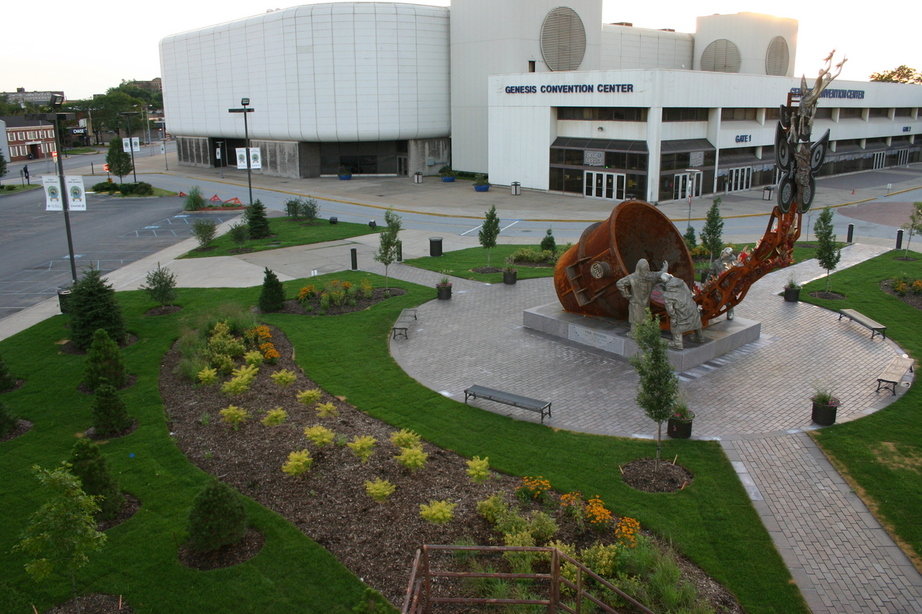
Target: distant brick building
x=29, y=139
x=23, y=97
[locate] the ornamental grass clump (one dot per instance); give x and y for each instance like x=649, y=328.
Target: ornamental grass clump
x=218, y=518
x=363, y=446
x=319, y=435
x=234, y=416
x=298, y=463
x=478, y=469
x=284, y=377
x=413, y=459
x=379, y=489
x=275, y=417
x=437, y=512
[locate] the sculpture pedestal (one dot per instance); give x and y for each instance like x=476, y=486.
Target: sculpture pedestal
x=610, y=336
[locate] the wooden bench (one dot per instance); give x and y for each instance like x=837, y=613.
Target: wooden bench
x=404, y=321
x=893, y=373
x=482, y=392
x=860, y=318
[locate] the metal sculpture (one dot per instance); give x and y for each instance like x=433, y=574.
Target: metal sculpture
x=586, y=275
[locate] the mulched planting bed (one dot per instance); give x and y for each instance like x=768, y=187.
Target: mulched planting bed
x=649, y=476
x=22, y=427
x=377, y=541
x=225, y=556
x=93, y=604
x=312, y=306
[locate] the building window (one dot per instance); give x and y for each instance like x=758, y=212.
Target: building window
x=902, y=112
x=884, y=113
x=685, y=115
x=603, y=114
x=823, y=113
x=531, y=66
x=850, y=113
x=738, y=115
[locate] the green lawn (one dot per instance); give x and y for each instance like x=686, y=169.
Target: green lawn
x=712, y=521
x=286, y=232
x=13, y=188
x=882, y=453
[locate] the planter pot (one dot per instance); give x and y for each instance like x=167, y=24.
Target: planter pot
x=482, y=188
x=345, y=177
x=509, y=277
x=679, y=429
x=792, y=295
x=443, y=293
x=448, y=179
x=824, y=415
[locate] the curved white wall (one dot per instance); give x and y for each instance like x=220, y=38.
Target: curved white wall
x=752, y=34
x=320, y=72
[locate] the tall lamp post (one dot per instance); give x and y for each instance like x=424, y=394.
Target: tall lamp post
x=56, y=101
x=244, y=103
x=127, y=115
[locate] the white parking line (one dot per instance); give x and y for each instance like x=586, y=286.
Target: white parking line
x=471, y=230
x=510, y=225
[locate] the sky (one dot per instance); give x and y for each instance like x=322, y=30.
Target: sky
x=85, y=48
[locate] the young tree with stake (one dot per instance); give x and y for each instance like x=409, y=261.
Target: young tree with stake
x=827, y=253
x=389, y=243
x=489, y=231
x=658, y=388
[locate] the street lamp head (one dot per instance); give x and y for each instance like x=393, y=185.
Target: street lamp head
x=244, y=101
x=56, y=100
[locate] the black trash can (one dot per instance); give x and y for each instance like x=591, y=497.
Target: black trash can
x=435, y=246
x=64, y=299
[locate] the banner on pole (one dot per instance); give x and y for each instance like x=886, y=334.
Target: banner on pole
x=76, y=193
x=255, y=158
x=134, y=143
x=52, y=188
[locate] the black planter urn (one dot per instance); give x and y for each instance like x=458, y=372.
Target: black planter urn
x=824, y=414
x=679, y=429
x=792, y=295
x=510, y=277
x=443, y=293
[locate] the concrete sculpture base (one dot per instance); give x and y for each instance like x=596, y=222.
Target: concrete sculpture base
x=610, y=336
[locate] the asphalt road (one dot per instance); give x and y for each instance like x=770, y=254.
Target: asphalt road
x=34, y=258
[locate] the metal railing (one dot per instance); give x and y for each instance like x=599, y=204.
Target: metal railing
x=420, y=596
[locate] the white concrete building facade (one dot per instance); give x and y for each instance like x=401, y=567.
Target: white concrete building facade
x=534, y=91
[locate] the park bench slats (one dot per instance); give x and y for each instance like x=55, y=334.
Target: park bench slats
x=893, y=373
x=860, y=318
x=404, y=322
x=509, y=398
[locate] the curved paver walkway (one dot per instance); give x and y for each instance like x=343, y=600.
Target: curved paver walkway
x=755, y=400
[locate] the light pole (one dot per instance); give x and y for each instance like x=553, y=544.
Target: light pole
x=221, y=156
x=56, y=101
x=244, y=103
x=127, y=115
x=690, y=186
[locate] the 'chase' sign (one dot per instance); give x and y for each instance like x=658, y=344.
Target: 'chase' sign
x=581, y=88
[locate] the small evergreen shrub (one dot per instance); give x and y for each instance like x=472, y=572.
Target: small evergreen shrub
x=239, y=234
x=7, y=420
x=405, y=438
x=104, y=363
x=326, y=410
x=284, y=377
x=413, y=459
x=90, y=466
x=160, y=285
x=109, y=414
x=531, y=255
x=542, y=527
x=93, y=306
x=257, y=222
x=218, y=518
x=207, y=376
x=379, y=489
x=204, y=231
x=7, y=381
x=492, y=509
x=234, y=416
x=253, y=358
x=363, y=446
x=548, y=244
x=319, y=435
x=241, y=381
x=104, y=186
x=275, y=417
x=298, y=463
x=272, y=297
x=478, y=469
x=437, y=512
x=309, y=397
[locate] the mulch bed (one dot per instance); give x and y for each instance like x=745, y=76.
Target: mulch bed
x=829, y=296
x=129, y=508
x=376, y=541
x=649, y=476
x=163, y=310
x=22, y=427
x=312, y=306
x=93, y=604
x=913, y=300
